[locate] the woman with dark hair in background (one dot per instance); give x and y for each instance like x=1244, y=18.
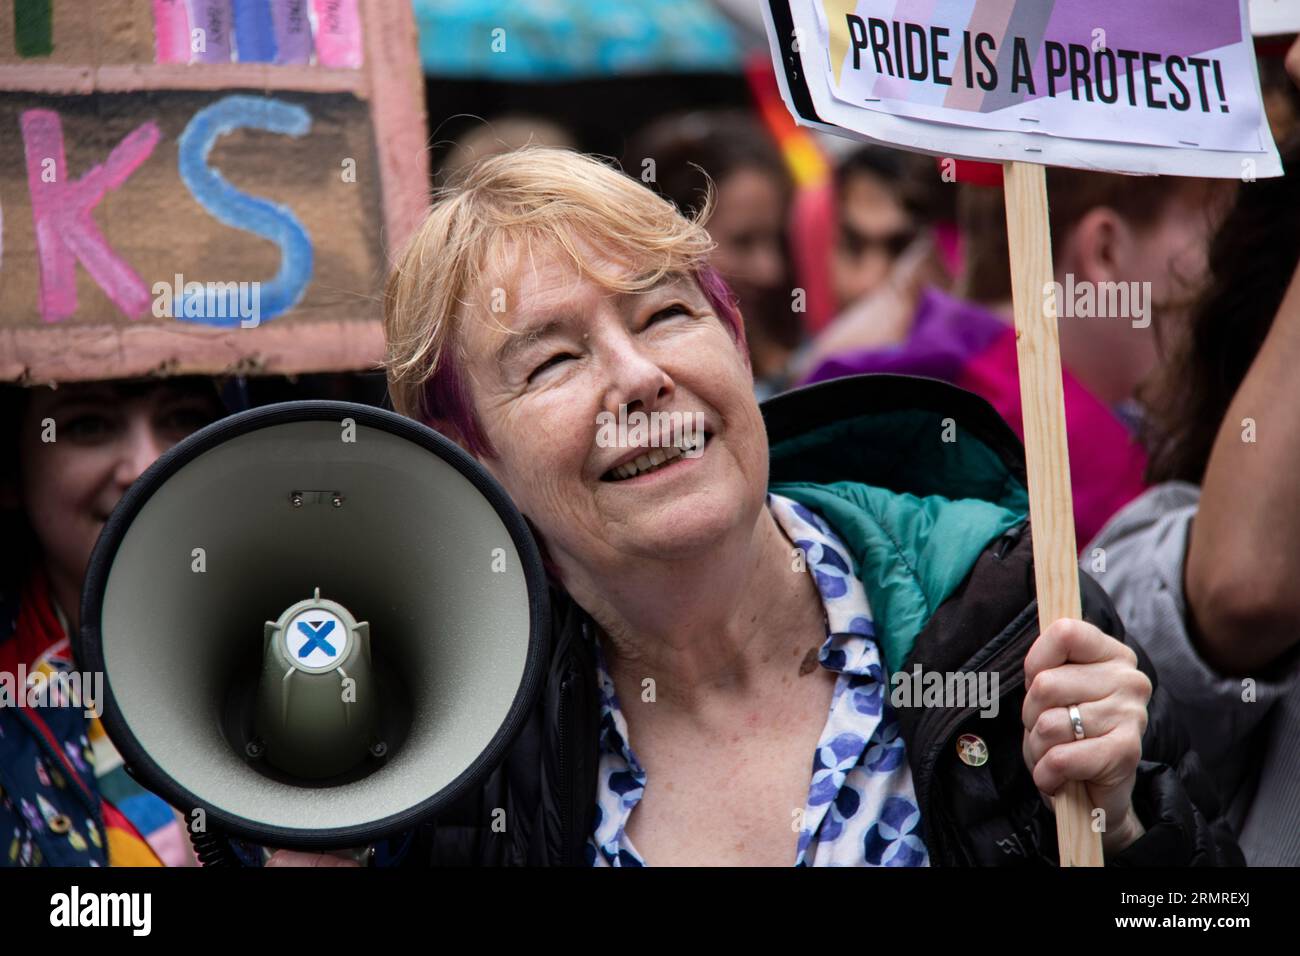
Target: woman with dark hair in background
x=677, y=156
x=1108, y=231
x=886, y=201
x=70, y=453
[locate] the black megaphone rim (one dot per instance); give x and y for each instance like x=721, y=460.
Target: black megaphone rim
x=88, y=646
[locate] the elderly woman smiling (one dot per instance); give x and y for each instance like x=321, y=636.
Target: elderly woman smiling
x=719, y=689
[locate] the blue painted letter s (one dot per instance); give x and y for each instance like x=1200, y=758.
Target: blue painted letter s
x=250, y=213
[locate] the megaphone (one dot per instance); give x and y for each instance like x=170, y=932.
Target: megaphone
x=319, y=623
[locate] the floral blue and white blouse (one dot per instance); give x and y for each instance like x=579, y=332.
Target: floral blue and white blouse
x=861, y=808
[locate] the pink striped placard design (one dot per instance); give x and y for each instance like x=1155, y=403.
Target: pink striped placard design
x=171, y=31
x=338, y=33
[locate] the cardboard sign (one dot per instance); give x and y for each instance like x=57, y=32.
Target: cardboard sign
x=1274, y=17
x=1168, y=86
x=202, y=186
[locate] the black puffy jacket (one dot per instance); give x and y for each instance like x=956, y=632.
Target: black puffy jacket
x=881, y=431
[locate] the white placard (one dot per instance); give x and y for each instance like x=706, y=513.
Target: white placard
x=1038, y=84
x=1273, y=17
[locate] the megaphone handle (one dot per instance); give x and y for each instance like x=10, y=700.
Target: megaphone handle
x=212, y=848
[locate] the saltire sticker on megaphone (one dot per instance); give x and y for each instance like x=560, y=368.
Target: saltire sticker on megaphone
x=317, y=711
x=317, y=639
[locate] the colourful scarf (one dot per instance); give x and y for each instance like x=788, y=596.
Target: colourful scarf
x=140, y=828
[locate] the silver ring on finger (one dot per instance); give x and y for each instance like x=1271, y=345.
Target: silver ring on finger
x=1076, y=722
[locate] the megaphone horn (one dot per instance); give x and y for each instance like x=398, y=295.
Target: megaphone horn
x=318, y=622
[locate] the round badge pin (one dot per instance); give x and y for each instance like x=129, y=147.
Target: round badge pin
x=972, y=750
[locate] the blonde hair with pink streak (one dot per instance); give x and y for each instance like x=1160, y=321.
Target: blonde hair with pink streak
x=535, y=197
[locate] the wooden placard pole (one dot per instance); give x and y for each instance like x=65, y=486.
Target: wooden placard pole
x=1047, y=458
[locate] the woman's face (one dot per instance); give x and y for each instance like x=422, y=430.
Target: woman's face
x=101, y=443
x=748, y=224
x=872, y=231
x=583, y=351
